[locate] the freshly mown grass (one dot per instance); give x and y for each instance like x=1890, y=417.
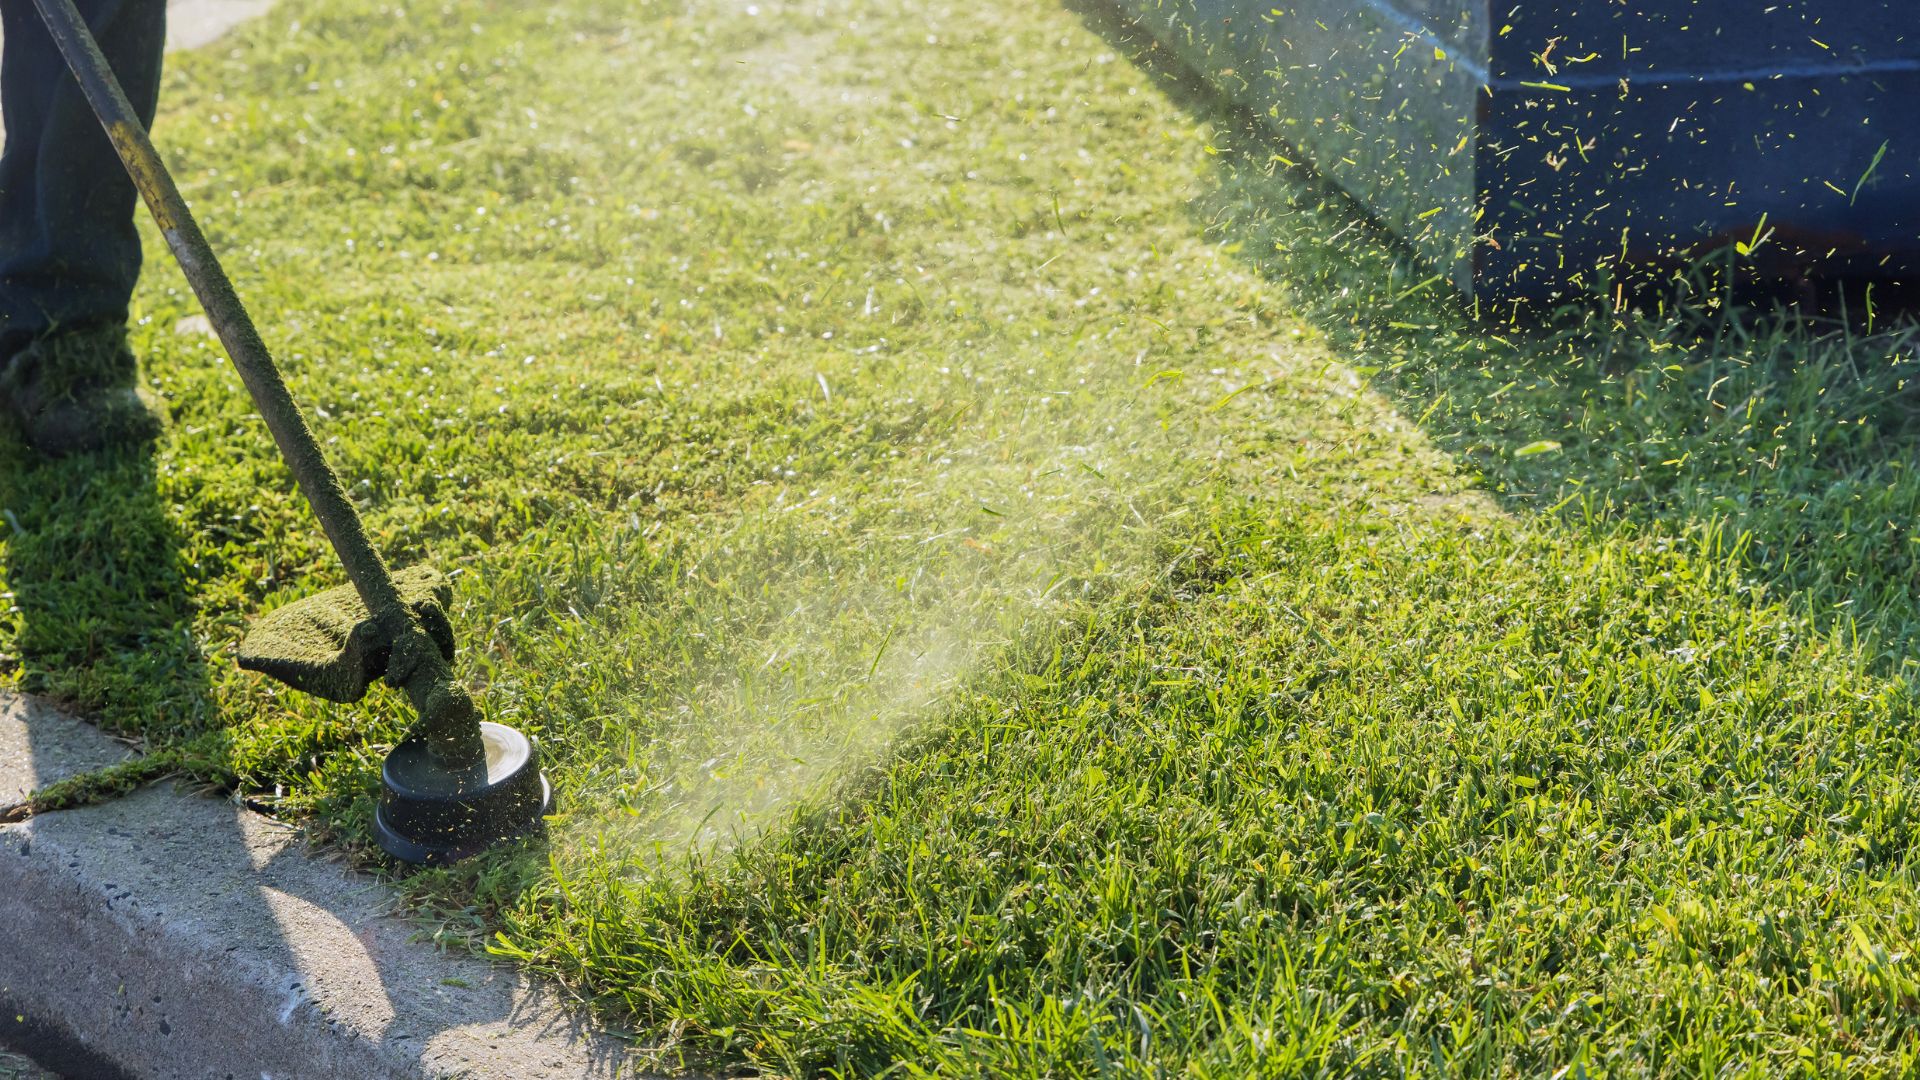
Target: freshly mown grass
x=1008, y=580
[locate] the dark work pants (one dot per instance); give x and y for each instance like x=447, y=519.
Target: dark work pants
x=69, y=252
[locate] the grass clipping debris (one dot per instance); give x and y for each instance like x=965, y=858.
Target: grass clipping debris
x=1008, y=578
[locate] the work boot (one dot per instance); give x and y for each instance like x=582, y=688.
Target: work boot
x=72, y=391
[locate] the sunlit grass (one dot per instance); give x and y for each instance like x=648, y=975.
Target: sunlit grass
x=1006, y=581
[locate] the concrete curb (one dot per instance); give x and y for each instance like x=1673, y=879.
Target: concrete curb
x=176, y=936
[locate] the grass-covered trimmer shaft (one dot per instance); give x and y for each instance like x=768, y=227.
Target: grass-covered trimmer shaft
x=456, y=783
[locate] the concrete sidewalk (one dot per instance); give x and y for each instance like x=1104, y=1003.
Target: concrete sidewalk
x=171, y=935
x=193, y=23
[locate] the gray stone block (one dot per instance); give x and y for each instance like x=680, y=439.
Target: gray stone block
x=178, y=936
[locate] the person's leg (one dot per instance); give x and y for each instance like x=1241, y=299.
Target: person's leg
x=69, y=251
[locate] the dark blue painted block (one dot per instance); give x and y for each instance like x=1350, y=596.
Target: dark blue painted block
x=1530, y=146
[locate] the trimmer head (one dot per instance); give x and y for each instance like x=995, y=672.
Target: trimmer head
x=435, y=807
x=427, y=815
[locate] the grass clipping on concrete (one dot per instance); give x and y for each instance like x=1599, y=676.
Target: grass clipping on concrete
x=1009, y=579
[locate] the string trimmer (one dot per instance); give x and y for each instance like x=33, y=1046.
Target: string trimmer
x=456, y=783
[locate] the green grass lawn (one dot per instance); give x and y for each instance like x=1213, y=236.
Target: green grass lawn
x=1008, y=579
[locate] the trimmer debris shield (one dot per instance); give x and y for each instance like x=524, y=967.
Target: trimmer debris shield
x=329, y=645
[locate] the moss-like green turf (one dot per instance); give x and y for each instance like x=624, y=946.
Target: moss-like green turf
x=1008, y=578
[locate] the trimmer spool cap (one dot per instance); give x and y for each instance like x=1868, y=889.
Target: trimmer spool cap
x=428, y=815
